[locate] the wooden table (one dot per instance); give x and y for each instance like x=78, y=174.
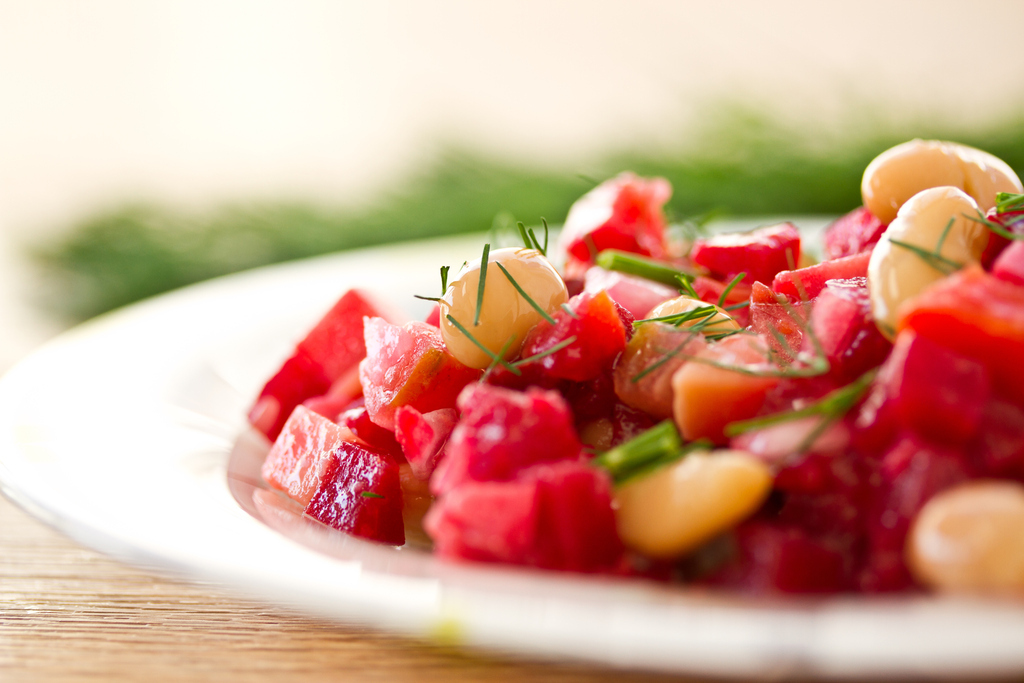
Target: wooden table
x=70, y=614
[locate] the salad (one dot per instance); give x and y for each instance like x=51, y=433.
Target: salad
x=719, y=410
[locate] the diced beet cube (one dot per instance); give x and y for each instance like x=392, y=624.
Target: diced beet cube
x=937, y=392
x=628, y=423
x=422, y=436
x=841, y=322
x=761, y=254
x=485, y=521
x=854, y=233
x=339, y=397
x=553, y=516
x=358, y=421
x=577, y=523
x=434, y=317
x=501, y=432
x=599, y=335
x=635, y=294
x=294, y=462
x=409, y=365
x=781, y=323
x=711, y=290
x=643, y=375
x=590, y=400
x=977, y=316
x=781, y=559
x=998, y=447
x=1010, y=264
x=332, y=347
x=621, y=213
x=807, y=283
x=360, y=494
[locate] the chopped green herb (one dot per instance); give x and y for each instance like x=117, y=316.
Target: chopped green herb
x=482, y=283
x=935, y=260
x=1006, y=201
x=370, y=494
x=572, y=313
x=658, y=446
x=728, y=289
x=650, y=269
x=547, y=352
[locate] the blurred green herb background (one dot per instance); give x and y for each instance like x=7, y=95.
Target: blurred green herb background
x=742, y=163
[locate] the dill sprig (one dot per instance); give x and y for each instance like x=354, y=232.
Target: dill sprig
x=370, y=494
x=658, y=446
x=728, y=289
x=1007, y=202
x=568, y=341
x=476, y=342
x=481, y=284
x=934, y=259
x=496, y=361
x=444, y=286
x=831, y=407
x=529, y=237
x=685, y=285
x=522, y=293
x=568, y=309
x=647, y=268
x=998, y=229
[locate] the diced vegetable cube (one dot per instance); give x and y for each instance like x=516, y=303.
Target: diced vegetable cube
x=807, y=283
x=856, y=232
x=760, y=254
x=294, y=462
x=422, y=435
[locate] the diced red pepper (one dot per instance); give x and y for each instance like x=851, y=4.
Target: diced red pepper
x=360, y=493
x=332, y=347
x=599, y=335
x=501, y=432
x=409, y=366
x=977, y=316
x=807, y=283
x=761, y=254
x=854, y=233
x=622, y=213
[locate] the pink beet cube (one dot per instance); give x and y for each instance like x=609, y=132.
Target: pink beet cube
x=360, y=493
x=842, y=323
x=332, y=348
x=408, y=365
x=1009, y=266
x=854, y=233
x=422, y=435
x=635, y=294
x=552, y=516
x=295, y=460
x=807, y=283
x=760, y=254
x=502, y=432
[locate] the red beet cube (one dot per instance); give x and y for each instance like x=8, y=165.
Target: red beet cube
x=599, y=335
x=998, y=447
x=842, y=323
x=553, y=516
x=781, y=323
x=1010, y=264
x=422, y=436
x=358, y=421
x=333, y=347
x=360, y=493
x=1013, y=221
x=976, y=316
x=761, y=254
x=937, y=392
x=807, y=283
x=635, y=294
x=408, y=365
x=502, y=432
x=622, y=213
x=854, y=233
x=294, y=462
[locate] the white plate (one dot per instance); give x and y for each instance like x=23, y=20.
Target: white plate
x=119, y=433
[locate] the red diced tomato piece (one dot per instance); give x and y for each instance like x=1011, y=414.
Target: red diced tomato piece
x=807, y=283
x=760, y=254
x=622, y=213
x=501, y=432
x=408, y=365
x=332, y=347
x=360, y=493
x=854, y=233
x=599, y=335
x=977, y=316
x=422, y=436
x=294, y=462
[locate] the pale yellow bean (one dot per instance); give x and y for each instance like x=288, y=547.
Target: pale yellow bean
x=675, y=509
x=717, y=323
x=897, y=174
x=970, y=539
x=505, y=316
x=897, y=273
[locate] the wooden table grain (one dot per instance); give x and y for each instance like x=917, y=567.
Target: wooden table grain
x=70, y=614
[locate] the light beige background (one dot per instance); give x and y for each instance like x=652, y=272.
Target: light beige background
x=198, y=101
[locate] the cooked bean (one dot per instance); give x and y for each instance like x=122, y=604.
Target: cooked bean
x=676, y=508
x=505, y=316
x=715, y=323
